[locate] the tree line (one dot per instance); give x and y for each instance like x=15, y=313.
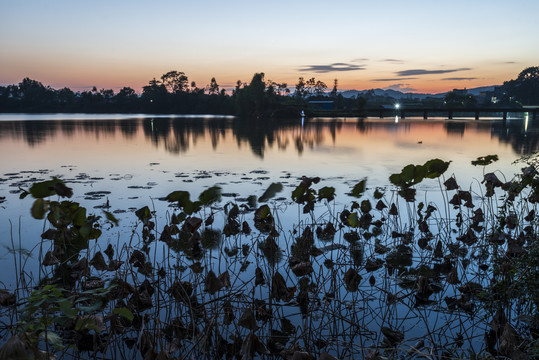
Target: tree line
x=173, y=93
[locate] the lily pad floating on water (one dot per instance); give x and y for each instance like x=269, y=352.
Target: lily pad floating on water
x=270, y=192
x=183, y=201
x=97, y=193
x=414, y=174
x=485, y=160
x=359, y=189
x=327, y=192
x=48, y=188
x=210, y=195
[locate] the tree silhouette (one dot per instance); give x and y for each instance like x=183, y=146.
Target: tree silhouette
x=251, y=100
x=301, y=91
x=34, y=95
x=310, y=85
x=320, y=87
x=154, y=96
x=239, y=85
x=334, y=90
x=213, y=88
x=455, y=100
x=282, y=89
x=171, y=93
x=525, y=88
x=175, y=81
x=126, y=99
x=66, y=96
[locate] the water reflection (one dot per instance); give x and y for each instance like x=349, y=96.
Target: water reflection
x=177, y=135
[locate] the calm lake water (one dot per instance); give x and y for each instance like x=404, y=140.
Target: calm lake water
x=130, y=161
x=135, y=159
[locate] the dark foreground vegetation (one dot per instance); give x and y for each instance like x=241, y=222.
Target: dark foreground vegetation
x=389, y=275
x=173, y=94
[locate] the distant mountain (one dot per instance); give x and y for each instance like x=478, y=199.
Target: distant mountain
x=400, y=95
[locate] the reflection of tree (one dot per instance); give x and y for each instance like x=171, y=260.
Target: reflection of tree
x=255, y=133
x=176, y=135
x=259, y=134
x=523, y=140
x=525, y=87
x=455, y=128
x=365, y=127
x=35, y=132
x=360, y=126
x=312, y=135
x=128, y=128
x=332, y=130
x=67, y=128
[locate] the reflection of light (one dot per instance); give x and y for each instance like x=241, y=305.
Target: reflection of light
x=526, y=119
x=396, y=119
x=397, y=106
x=302, y=120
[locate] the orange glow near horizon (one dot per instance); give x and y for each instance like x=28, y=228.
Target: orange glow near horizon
x=77, y=80
x=117, y=44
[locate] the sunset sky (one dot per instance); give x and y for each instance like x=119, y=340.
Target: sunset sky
x=420, y=46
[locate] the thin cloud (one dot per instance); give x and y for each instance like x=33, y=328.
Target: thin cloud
x=393, y=60
x=400, y=87
x=360, y=60
x=460, y=78
x=414, y=72
x=395, y=79
x=332, y=67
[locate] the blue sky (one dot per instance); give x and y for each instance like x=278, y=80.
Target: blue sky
x=425, y=46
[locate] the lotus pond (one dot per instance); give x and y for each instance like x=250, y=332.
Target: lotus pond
x=248, y=261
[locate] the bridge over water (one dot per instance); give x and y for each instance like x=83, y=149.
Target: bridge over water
x=450, y=112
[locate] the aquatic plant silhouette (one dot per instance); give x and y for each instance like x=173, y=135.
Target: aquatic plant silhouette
x=358, y=276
